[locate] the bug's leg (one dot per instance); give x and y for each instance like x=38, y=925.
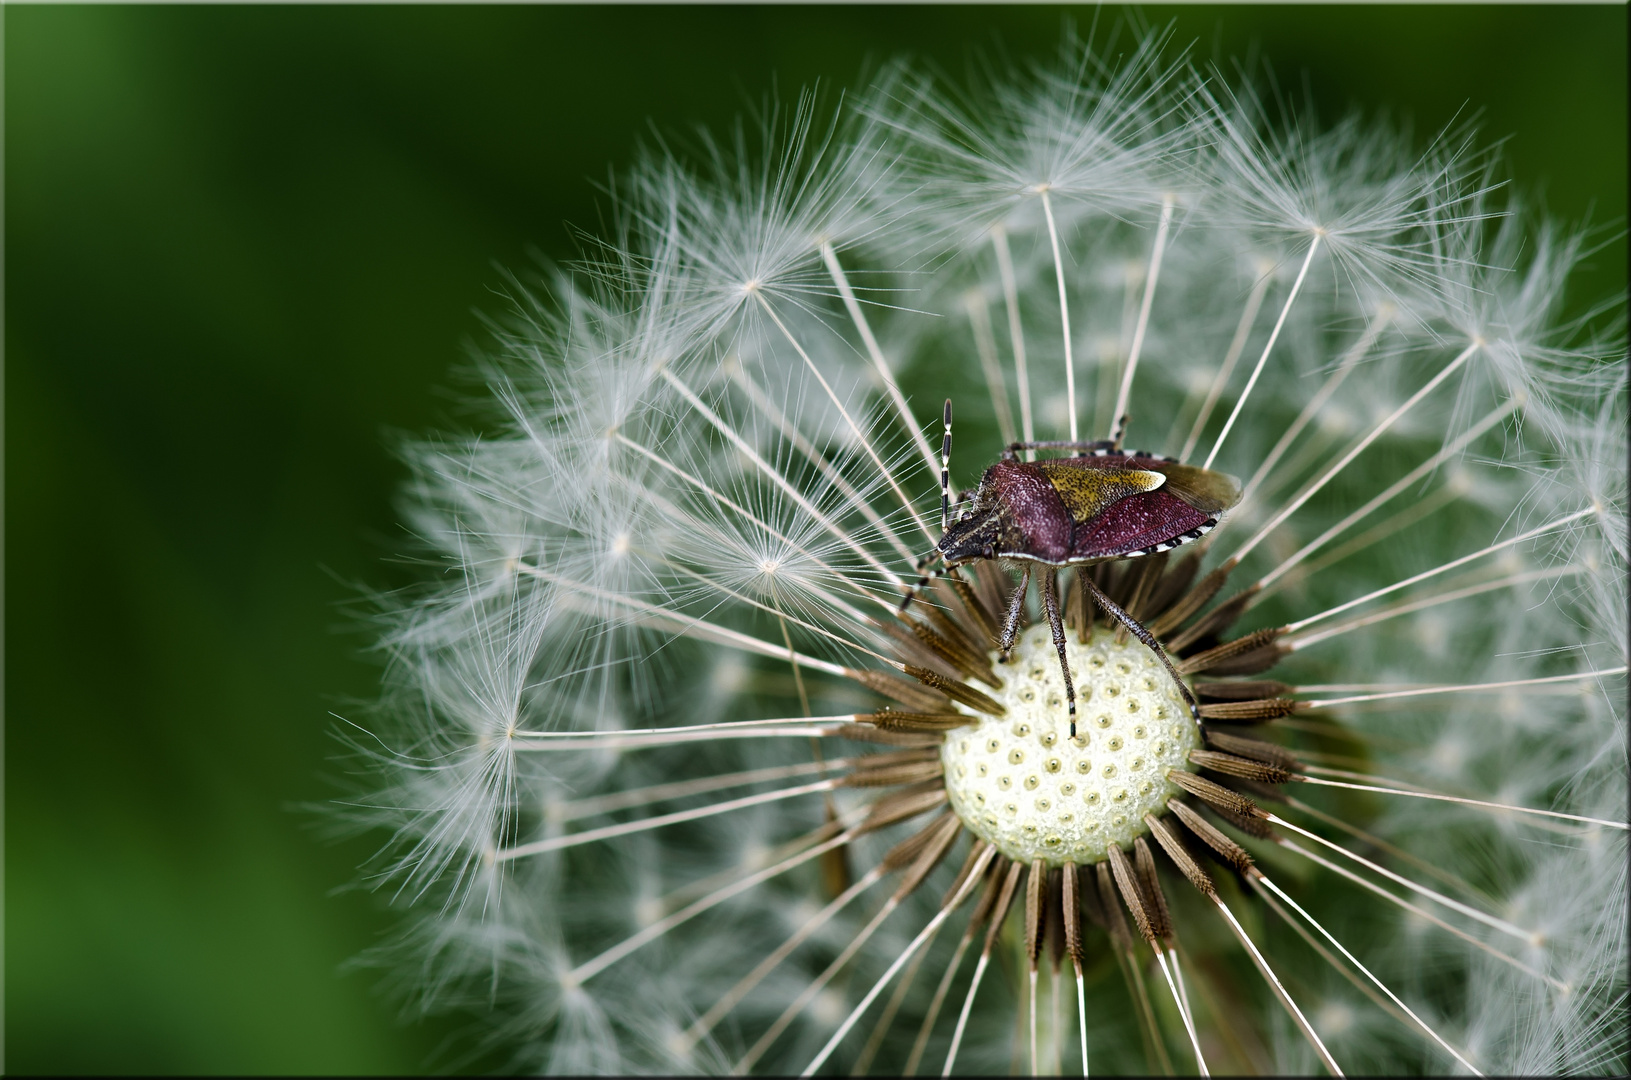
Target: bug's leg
x=923, y=580
x=1118, y=431
x=1011, y=452
x=1016, y=606
x=1050, y=601
x=1138, y=630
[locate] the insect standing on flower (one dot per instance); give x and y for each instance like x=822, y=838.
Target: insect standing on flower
x=1102, y=504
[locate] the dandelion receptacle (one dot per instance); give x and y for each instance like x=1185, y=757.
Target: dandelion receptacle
x=1320, y=769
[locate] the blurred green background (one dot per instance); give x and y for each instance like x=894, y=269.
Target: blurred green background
x=242, y=245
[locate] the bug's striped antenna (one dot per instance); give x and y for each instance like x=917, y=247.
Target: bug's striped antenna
x=945, y=469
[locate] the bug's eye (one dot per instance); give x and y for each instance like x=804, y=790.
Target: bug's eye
x=990, y=552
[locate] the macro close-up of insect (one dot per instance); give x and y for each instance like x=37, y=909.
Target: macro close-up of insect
x=1102, y=504
x=659, y=691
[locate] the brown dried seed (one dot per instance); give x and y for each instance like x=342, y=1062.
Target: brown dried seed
x=1232, y=853
x=1173, y=845
x=890, y=720
x=892, y=774
x=1193, y=601
x=1111, y=909
x=1234, y=765
x=1000, y=912
x=1034, y=893
x=1127, y=884
x=870, y=733
x=1237, y=712
x=1144, y=863
x=939, y=843
x=1071, y=912
x=901, y=805
x=1243, y=690
x=1256, y=749
x=1173, y=584
x=1212, y=793
x=958, y=691
x=1217, y=655
x=892, y=686
x=1217, y=620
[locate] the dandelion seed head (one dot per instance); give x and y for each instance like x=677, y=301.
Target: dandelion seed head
x=669, y=778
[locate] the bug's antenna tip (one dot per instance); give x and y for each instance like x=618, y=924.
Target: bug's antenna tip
x=946, y=415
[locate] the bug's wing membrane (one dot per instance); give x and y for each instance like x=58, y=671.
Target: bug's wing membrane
x=1140, y=524
x=1207, y=491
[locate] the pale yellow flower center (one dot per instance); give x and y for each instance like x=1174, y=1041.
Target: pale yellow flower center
x=1020, y=781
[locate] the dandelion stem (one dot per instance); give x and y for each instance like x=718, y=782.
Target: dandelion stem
x=1325, y=703
x=1453, y=799
x=1262, y=880
x=590, y=968
x=624, y=800
x=860, y=436
x=736, y=508
x=1081, y=1009
x=808, y=994
x=1454, y=905
x=1016, y=334
x=830, y=257
x=1237, y=345
x=640, y=738
x=1279, y=990
x=985, y=346
x=968, y=1007
x=705, y=1023
x=1350, y=360
x=608, y=832
x=782, y=617
x=1557, y=523
x=792, y=434
x=938, y=1001
x=1495, y=416
x=1274, y=336
x=998, y=914
x=1358, y=448
x=1423, y=604
x=1424, y=865
x=775, y=477
x=1183, y=1010
x=880, y=1028
x=1423, y=913
x=923, y=935
x=689, y=625
x=1126, y=390
x=1064, y=311
x=1032, y=1017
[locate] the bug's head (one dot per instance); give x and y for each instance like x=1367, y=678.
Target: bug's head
x=975, y=532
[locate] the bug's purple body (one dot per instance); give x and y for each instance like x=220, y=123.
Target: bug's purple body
x=1106, y=503
x=1079, y=510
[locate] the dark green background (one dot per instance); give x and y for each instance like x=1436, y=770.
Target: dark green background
x=241, y=245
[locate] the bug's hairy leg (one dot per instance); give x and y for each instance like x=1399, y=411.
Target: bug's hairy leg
x=1050, y=601
x=1016, y=607
x=1138, y=630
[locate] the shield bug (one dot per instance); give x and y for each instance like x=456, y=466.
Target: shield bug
x=1099, y=505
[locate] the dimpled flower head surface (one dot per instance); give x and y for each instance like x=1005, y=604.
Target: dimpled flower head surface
x=700, y=753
